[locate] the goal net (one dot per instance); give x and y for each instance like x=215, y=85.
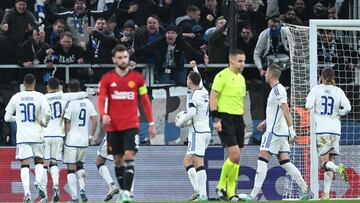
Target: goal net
x=326, y=43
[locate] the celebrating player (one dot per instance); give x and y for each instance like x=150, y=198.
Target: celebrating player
x=77, y=116
x=329, y=103
x=54, y=133
x=197, y=111
x=32, y=114
x=122, y=87
x=227, y=107
x=279, y=129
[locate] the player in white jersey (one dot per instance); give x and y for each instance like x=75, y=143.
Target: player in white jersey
x=197, y=114
x=279, y=129
x=32, y=115
x=329, y=103
x=77, y=116
x=54, y=133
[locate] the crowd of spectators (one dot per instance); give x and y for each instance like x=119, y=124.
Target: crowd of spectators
x=164, y=33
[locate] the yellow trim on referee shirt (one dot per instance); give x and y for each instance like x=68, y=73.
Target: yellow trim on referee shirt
x=232, y=90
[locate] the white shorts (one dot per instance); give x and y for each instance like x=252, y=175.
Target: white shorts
x=102, y=151
x=53, y=148
x=274, y=144
x=26, y=151
x=328, y=143
x=73, y=155
x=198, y=142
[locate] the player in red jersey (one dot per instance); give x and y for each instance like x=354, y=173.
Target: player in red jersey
x=122, y=87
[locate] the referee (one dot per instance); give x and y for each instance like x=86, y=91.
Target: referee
x=227, y=107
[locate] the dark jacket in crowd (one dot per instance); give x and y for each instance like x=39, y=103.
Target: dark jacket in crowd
x=18, y=25
x=142, y=37
x=160, y=48
x=30, y=51
x=71, y=57
x=218, y=46
x=98, y=50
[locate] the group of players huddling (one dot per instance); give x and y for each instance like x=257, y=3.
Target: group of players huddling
x=55, y=127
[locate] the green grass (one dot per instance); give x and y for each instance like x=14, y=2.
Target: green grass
x=279, y=201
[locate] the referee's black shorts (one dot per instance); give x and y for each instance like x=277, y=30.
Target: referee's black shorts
x=232, y=130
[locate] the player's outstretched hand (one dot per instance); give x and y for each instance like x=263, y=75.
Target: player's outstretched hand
x=106, y=120
x=152, y=131
x=217, y=126
x=261, y=126
x=292, y=134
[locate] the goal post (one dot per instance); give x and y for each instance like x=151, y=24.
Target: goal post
x=306, y=63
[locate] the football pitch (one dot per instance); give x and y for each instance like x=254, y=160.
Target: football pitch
x=267, y=201
x=280, y=201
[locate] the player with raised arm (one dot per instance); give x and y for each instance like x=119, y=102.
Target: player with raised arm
x=122, y=87
x=329, y=103
x=54, y=133
x=32, y=115
x=77, y=115
x=197, y=114
x=275, y=140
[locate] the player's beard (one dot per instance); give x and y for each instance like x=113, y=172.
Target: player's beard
x=122, y=66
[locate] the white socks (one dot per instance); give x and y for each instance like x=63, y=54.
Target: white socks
x=71, y=179
x=259, y=177
x=104, y=172
x=44, y=180
x=201, y=180
x=39, y=170
x=81, y=175
x=192, y=176
x=54, y=170
x=295, y=175
x=328, y=176
x=25, y=179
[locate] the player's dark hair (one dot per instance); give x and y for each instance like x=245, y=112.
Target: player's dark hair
x=74, y=85
x=328, y=76
x=275, y=70
x=118, y=48
x=53, y=83
x=195, y=77
x=235, y=52
x=29, y=79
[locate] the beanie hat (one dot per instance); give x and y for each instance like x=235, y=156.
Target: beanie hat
x=172, y=27
x=129, y=24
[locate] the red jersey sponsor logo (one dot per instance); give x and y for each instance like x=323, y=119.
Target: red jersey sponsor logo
x=123, y=95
